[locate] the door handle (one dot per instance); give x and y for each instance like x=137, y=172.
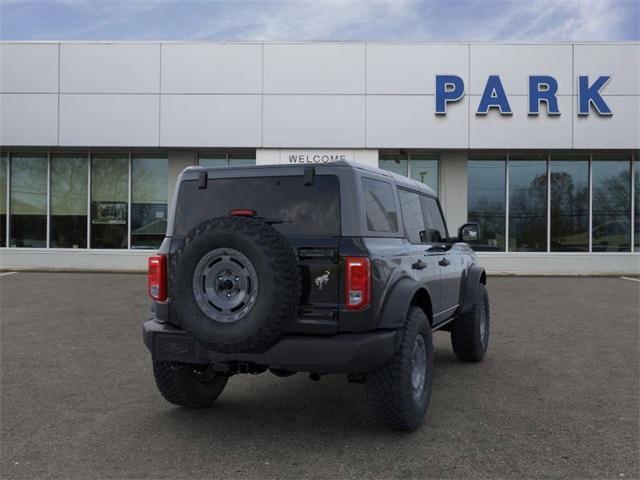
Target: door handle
x=419, y=265
x=444, y=262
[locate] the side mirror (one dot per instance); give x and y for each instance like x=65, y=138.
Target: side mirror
x=469, y=232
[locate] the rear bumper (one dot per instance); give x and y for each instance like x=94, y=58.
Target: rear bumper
x=341, y=353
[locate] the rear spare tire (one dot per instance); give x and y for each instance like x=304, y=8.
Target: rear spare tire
x=234, y=284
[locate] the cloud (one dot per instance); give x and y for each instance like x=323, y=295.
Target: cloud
x=330, y=20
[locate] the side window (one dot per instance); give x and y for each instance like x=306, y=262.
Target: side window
x=379, y=206
x=436, y=230
x=412, y=215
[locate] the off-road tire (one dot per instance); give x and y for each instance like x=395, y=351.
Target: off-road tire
x=180, y=384
x=389, y=390
x=278, y=276
x=466, y=338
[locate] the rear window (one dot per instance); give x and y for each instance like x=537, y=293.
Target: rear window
x=306, y=210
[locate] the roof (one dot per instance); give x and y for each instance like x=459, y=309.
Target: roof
x=400, y=180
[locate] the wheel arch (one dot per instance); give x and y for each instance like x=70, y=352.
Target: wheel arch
x=405, y=294
x=475, y=276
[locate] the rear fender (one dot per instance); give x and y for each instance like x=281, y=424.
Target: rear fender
x=396, y=307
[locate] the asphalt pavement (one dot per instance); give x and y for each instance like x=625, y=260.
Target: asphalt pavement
x=557, y=395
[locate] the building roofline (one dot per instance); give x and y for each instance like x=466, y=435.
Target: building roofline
x=317, y=42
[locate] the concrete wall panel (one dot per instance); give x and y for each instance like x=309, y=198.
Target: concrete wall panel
x=411, y=69
x=622, y=62
x=313, y=121
x=514, y=64
x=109, y=120
x=109, y=68
x=28, y=119
x=407, y=121
x=28, y=68
x=621, y=130
x=211, y=68
x=521, y=130
x=211, y=120
x=314, y=68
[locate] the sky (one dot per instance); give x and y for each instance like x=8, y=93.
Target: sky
x=321, y=20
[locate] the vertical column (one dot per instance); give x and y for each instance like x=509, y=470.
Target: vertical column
x=178, y=161
x=267, y=156
x=452, y=186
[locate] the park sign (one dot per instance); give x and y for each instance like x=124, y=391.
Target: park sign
x=542, y=89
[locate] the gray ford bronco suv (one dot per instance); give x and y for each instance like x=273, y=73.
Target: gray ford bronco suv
x=329, y=268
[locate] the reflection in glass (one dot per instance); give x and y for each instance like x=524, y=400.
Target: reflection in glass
x=611, y=230
x=395, y=162
x=379, y=206
x=242, y=158
x=412, y=215
x=149, y=180
x=436, y=229
x=109, y=192
x=570, y=204
x=486, y=202
x=234, y=158
x=636, y=189
x=527, y=204
x=28, y=201
x=69, y=201
x=424, y=168
x=3, y=200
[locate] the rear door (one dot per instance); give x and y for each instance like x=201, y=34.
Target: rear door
x=423, y=267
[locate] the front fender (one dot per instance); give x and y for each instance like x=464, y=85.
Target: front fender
x=474, y=277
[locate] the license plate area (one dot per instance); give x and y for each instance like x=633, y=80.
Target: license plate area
x=175, y=348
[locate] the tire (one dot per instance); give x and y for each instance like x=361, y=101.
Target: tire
x=188, y=385
x=470, y=331
x=391, y=396
x=263, y=302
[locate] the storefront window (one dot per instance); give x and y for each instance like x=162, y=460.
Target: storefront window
x=611, y=231
x=424, y=168
x=69, y=201
x=148, y=201
x=242, y=158
x=394, y=161
x=28, y=201
x=528, y=203
x=109, y=193
x=487, y=202
x=569, y=203
x=235, y=158
x=3, y=199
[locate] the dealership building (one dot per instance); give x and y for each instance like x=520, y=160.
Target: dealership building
x=539, y=143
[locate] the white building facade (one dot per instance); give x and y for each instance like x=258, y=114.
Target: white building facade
x=537, y=142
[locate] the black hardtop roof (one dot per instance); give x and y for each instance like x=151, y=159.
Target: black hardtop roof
x=400, y=180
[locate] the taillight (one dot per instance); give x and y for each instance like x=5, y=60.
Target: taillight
x=157, y=278
x=357, y=280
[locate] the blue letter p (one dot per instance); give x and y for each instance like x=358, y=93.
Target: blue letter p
x=449, y=88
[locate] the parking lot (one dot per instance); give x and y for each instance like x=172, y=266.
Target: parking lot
x=557, y=396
